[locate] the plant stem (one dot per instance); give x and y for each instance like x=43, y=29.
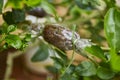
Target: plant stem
x=73, y=45
x=71, y=61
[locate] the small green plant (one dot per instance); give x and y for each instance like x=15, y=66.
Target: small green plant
x=91, y=16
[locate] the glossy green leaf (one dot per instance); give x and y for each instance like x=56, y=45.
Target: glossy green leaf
x=96, y=51
x=42, y=53
x=105, y=73
x=112, y=28
x=11, y=28
x=18, y=4
x=33, y=3
x=27, y=37
x=112, y=31
x=1, y=5
x=14, y=41
x=86, y=68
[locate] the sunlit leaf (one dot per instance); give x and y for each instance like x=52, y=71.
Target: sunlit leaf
x=14, y=41
x=96, y=51
x=112, y=31
x=27, y=37
x=33, y=3
x=112, y=28
x=15, y=4
x=11, y=28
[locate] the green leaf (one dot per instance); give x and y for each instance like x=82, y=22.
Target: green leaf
x=96, y=51
x=4, y=28
x=75, y=12
x=58, y=63
x=33, y=3
x=11, y=28
x=27, y=37
x=50, y=9
x=17, y=4
x=112, y=28
x=83, y=4
x=87, y=4
x=14, y=41
x=105, y=73
x=16, y=16
x=8, y=17
x=1, y=5
x=68, y=77
x=61, y=54
x=71, y=69
x=42, y=53
x=86, y=68
x=52, y=69
x=112, y=31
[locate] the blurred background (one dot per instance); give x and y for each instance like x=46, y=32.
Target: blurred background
x=87, y=15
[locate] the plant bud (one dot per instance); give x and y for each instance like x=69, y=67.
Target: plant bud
x=59, y=36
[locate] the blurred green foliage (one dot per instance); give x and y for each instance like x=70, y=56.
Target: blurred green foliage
x=92, y=17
